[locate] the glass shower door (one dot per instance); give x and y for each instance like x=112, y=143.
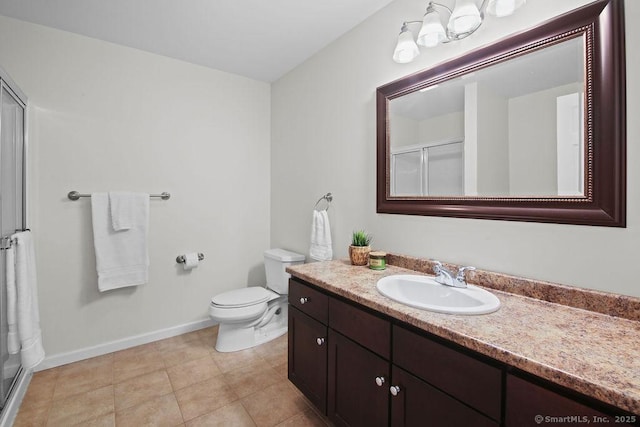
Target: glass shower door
x=11, y=215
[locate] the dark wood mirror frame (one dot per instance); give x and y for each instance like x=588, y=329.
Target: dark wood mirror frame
x=604, y=204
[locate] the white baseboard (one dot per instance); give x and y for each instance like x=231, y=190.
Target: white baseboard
x=109, y=347
x=10, y=411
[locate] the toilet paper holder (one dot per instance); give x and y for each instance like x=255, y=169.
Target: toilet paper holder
x=180, y=258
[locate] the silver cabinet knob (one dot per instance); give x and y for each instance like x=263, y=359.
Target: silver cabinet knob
x=304, y=300
x=320, y=341
x=380, y=381
x=394, y=389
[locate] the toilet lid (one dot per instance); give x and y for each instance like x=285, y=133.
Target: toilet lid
x=242, y=297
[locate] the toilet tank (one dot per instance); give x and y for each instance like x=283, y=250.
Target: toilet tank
x=275, y=263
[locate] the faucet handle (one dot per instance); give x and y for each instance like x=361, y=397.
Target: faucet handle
x=461, y=276
x=437, y=267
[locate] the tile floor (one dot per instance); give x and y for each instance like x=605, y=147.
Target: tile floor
x=180, y=381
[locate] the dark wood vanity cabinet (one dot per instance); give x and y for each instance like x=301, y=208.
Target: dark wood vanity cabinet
x=307, y=365
x=419, y=404
x=355, y=398
x=307, y=353
x=529, y=403
x=340, y=357
x=440, y=384
x=363, y=369
x=359, y=371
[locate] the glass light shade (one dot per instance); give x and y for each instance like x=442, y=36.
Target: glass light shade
x=406, y=49
x=432, y=31
x=465, y=17
x=502, y=8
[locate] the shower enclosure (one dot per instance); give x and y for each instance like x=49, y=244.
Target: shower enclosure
x=12, y=212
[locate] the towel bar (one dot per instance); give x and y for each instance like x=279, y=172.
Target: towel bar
x=74, y=195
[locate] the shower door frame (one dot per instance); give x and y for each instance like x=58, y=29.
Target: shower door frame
x=15, y=392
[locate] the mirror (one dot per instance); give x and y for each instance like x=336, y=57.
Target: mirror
x=530, y=128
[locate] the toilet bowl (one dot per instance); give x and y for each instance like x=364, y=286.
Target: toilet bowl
x=254, y=315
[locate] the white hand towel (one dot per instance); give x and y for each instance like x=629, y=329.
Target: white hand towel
x=320, y=249
x=28, y=314
x=13, y=339
x=127, y=209
x=122, y=257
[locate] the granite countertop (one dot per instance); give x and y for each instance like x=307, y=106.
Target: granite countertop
x=589, y=352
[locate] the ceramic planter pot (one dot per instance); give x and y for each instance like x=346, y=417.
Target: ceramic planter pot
x=359, y=254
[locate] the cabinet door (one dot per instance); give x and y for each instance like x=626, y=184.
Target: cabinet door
x=416, y=404
x=308, y=357
x=355, y=397
x=529, y=404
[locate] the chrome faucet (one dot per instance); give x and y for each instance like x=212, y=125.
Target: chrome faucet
x=445, y=277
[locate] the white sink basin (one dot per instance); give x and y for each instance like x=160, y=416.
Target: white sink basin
x=424, y=292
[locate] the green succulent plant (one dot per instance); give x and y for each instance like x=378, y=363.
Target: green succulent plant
x=360, y=238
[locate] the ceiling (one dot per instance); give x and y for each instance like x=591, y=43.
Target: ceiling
x=259, y=39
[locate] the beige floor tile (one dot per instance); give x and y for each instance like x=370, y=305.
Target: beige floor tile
x=274, y=404
x=252, y=379
x=209, y=335
x=228, y=362
x=275, y=351
x=140, y=389
x=307, y=418
x=136, y=351
x=87, y=364
x=199, y=386
x=204, y=397
x=158, y=412
x=195, y=349
x=87, y=375
x=233, y=414
x=86, y=406
x=282, y=370
x=177, y=341
x=107, y=420
x=276, y=358
x=40, y=391
x=134, y=365
x=35, y=416
x=194, y=371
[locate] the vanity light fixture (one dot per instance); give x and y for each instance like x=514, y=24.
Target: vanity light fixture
x=462, y=21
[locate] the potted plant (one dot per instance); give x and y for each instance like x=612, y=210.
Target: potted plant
x=359, y=248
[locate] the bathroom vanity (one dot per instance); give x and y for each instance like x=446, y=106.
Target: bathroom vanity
x=365, y=360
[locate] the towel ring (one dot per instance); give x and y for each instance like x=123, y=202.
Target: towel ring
x=328, y=198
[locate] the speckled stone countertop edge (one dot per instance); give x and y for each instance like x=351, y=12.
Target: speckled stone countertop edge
x=614, y=394
x=611, y=304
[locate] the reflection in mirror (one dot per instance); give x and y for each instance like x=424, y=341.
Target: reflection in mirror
x=513, y=129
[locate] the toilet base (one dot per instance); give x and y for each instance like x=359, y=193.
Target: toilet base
x=238, y=336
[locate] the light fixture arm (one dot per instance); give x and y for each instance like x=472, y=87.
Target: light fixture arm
x=433, y=3
x=405, y=24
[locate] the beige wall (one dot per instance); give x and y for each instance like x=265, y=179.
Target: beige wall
x=533, y=151
x=105, y=117
x=323, y=139
x=493, y=142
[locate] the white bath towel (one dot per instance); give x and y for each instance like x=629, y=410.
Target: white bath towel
x=27, y=311
x=122, y=257
x=320, y=249
x=128, y=210
x=13, y=339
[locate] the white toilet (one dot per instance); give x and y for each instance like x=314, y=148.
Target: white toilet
x=254, y=315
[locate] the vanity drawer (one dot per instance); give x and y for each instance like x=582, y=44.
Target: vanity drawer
x=366, y=329
x=308, y=300
x=464, y=377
